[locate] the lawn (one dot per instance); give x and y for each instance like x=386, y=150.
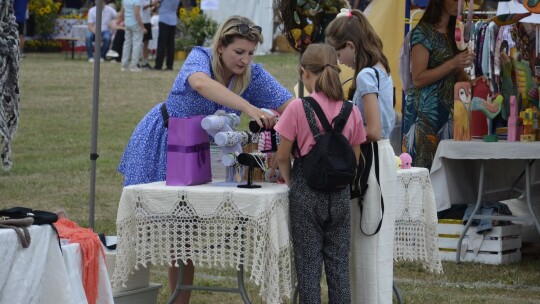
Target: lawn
x=51, y=171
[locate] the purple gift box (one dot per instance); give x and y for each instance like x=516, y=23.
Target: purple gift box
x=188, y=152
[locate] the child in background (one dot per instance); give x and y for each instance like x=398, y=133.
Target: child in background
x=320, y=221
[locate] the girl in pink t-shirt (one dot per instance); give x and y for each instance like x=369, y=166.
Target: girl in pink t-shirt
x=320, y=221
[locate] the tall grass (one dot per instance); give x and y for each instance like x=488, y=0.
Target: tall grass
x=51, y=171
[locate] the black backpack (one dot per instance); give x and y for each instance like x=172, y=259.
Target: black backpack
x=331, y=163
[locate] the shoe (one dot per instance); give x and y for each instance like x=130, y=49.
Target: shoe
x=101, y=60
x=145, y=66
x=157, y=69
x=112, y=54
x=168, y=69
x=90, y=59
x=135, y=70
x=123, y=69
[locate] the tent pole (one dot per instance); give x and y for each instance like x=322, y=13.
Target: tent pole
x=95, y=107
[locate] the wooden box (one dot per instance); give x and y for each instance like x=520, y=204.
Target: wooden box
x=146, y=295
x=501, y=245
x=136, y=280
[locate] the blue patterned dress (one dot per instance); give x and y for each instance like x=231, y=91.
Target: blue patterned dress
x=428, y=116
x=145, y=156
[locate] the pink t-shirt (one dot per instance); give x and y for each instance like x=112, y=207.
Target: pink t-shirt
x=293, y=124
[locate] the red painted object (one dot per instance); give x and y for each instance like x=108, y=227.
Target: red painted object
x=479, y=126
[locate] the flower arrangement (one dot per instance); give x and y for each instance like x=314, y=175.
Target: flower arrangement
x=45, y=13
x=304, y=21
x=42, y=45
x=72, y=16
x=194, y=27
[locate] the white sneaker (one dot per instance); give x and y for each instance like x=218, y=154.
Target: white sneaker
x=90, y=59
x=112, y=54
x=135, y=70
x=101, y=60
x=123, y=69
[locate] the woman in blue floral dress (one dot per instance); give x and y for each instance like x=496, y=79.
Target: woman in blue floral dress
x=436, y=66
x=218, y=78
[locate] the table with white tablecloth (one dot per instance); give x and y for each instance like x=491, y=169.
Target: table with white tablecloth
x=470, y=172
x=415, y=236
x=214, y=226
x=74, y=266
x=71, y=30
x=44, y=273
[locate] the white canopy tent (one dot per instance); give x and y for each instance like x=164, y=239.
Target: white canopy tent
x=259, y=11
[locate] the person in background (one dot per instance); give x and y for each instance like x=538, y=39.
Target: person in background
x=133, y=35
x=436, y=65
x=167, y=31
x=107, y=15
x=154, y=21
x=21, y=8
x=117, y=46
x=320, y=221
x=222, y=77
x=146, y=15
x=360, y=48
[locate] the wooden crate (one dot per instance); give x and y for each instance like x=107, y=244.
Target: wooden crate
x=146, y=295
x=502, y=245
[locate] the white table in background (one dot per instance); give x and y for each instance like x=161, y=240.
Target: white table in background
x=33, y=275
x=415, y=236
x=469, y=172
x=44, y=274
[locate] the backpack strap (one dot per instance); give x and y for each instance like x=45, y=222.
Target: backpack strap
x=310, y=106
x=373, y=149
x=339, y=121
x=377, y=76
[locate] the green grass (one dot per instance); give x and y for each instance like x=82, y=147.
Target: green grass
x=51, y=171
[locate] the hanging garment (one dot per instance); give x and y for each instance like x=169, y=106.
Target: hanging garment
x=9, y=81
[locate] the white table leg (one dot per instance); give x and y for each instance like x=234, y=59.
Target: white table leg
x=179, y=286
x=528, y=193
x=478, y=204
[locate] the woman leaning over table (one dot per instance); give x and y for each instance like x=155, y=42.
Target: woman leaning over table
x=222, y=77
x=371, y=256
x=436, y=65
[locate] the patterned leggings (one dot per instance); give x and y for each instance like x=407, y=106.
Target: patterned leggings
x=320, y=224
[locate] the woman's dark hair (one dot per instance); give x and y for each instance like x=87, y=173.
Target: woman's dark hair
x=432, y=15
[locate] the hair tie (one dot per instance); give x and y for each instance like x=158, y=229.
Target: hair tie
x=345, y=12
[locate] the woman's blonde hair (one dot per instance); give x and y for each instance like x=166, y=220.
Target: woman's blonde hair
x=322, y=59
x=357, y=29
x=226, y=34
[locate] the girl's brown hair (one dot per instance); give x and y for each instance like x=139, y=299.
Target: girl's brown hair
x=322, y=59
x=357, y=29
x=226, y=34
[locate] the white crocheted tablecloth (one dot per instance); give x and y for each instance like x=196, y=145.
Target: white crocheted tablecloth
x=212, y=226
x=415, y=237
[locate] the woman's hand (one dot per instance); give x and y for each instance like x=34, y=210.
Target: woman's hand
x=263, y=118
x=463, y=60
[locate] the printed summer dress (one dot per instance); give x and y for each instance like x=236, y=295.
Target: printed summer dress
x=428, y=116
